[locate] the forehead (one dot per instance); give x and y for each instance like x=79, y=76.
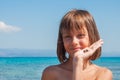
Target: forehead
x=74, y=31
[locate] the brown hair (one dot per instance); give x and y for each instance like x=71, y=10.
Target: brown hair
x=75, y=20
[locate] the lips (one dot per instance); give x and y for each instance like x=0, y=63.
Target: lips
x=76, y=48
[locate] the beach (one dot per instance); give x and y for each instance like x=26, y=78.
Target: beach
x=31, y=68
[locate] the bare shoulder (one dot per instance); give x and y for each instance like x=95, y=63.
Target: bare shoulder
x=50, y=72
x=104, y=74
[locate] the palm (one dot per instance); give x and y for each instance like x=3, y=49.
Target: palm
x=87, y=52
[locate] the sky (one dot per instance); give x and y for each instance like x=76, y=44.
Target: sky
x=33, y=24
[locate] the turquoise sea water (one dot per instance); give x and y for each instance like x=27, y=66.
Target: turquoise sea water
x=30, y=68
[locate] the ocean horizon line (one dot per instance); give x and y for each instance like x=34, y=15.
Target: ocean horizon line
x=49, y=57
x=42, y=53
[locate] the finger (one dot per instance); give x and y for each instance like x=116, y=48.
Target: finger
x=96, y=45
x=85, y=50
x=88, y=51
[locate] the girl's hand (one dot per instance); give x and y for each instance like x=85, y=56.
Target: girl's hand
x=89, y=51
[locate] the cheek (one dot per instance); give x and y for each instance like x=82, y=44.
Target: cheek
x=66, y=45
x=84, y=43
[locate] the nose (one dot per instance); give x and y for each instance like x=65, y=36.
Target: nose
x=75, y=41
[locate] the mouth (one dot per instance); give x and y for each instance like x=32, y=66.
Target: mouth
x=76, y=48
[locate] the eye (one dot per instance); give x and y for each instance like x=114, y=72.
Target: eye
x=67, y=37
x=81, y=35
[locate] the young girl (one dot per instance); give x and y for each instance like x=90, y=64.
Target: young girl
x=79, y=38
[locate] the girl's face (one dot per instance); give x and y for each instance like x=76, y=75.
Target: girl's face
x=75, y=40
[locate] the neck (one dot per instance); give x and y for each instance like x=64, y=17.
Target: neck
x=69, y=63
